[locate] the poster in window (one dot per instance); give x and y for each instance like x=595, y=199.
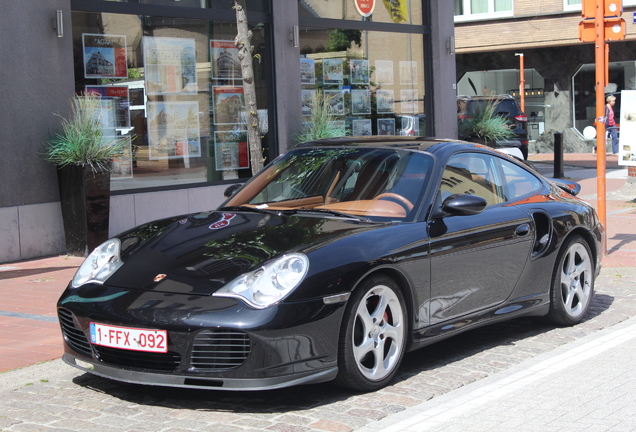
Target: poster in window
x=173, y=130
x=340, y=125
x=228, y=103
x=626, y=144
x=360, y=102
x=308, y=100
x=409, y=101
x=119, y=95
x=136, y=96
x=359, y=72
x=409, y=126
x=335, y=99
x=307, y=71
x=385, y=100
x=384, y=72
x=224, y=60
x=231, y=150
x=122, y=165
x=361, y=127
x=408, y=72
x=386, y=126
x=106, y=115
x=170, y=65
x=332, y=71
x=104, y=56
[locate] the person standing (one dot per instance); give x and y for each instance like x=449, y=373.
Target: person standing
x=610, y=122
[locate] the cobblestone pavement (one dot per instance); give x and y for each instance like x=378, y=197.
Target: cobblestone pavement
x=55, y=397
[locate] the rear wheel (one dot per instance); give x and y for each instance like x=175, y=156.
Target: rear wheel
x=373, y=335
x=572, y=283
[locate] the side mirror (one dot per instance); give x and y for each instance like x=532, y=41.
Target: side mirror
x=231, y=190
x=464, y=205
x=570, y=187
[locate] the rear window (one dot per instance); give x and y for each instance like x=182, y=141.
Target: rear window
x=505, y=108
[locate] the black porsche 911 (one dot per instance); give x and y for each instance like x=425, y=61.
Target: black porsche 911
x=330, y=264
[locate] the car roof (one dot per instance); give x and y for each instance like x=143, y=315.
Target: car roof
x=394, y=141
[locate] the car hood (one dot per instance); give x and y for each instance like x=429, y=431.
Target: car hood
x=198, y=254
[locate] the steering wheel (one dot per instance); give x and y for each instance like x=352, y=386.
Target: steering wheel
x=408, y=205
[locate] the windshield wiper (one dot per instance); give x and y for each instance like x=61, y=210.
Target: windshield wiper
x=250, y=209
x=329, y=212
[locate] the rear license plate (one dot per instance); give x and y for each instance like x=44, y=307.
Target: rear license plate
x=134, y=339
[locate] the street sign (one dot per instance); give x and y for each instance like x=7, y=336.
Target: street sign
x=611, y=8
x=588, y=9
x=365, y=7
x=614, y=29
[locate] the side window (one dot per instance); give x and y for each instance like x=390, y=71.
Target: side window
x=472, y=174
x=517, y=182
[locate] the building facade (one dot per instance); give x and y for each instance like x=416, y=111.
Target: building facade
x=559, y=69
x=168, y=77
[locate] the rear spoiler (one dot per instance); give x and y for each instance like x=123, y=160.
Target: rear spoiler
x=569, y=186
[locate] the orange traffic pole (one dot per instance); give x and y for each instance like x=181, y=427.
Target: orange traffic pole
x=522, y=83
x=601, y=82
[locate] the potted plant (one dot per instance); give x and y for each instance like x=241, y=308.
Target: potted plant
x=485, y=126
x=322, y=122
x=83, y=153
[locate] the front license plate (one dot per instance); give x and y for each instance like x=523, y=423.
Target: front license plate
x=129, y=338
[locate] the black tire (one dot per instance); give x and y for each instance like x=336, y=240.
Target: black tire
x=374, y=325
x=572, y=287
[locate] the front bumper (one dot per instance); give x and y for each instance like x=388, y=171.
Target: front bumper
x=187, y=381
x=214, y=343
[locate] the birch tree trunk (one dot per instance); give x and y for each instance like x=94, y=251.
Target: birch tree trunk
x=244, y=45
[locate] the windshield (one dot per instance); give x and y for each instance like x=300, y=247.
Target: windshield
x=369, y=182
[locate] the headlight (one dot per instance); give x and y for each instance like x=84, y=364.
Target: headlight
x=269, y=284
x=99, y=265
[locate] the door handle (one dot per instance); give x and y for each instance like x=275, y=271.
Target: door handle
x=522, y=230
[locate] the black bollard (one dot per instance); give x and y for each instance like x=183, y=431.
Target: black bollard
x=558, y=155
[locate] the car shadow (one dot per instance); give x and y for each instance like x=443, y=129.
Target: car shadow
x=430, y=358
x=13, y=274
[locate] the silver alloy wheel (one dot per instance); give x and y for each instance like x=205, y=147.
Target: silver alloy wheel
x=576, y=280
x=378, y=333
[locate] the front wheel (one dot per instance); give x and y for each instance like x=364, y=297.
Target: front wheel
x=373, y=335
x=572, y=283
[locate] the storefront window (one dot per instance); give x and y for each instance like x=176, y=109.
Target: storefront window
x=404, y=12
x=250, y=5
x=622, y=76
x=175, y=90
x=374, y=81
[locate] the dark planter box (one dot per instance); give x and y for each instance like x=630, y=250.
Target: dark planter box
x=85, y=199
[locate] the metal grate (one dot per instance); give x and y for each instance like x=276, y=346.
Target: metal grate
x=138, y=359
x=220, y=349
x=73, y=334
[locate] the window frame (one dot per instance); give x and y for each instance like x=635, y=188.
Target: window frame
x=491, y=14
x=505, y=185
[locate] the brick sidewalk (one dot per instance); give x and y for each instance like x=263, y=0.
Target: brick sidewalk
x=29, y=332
